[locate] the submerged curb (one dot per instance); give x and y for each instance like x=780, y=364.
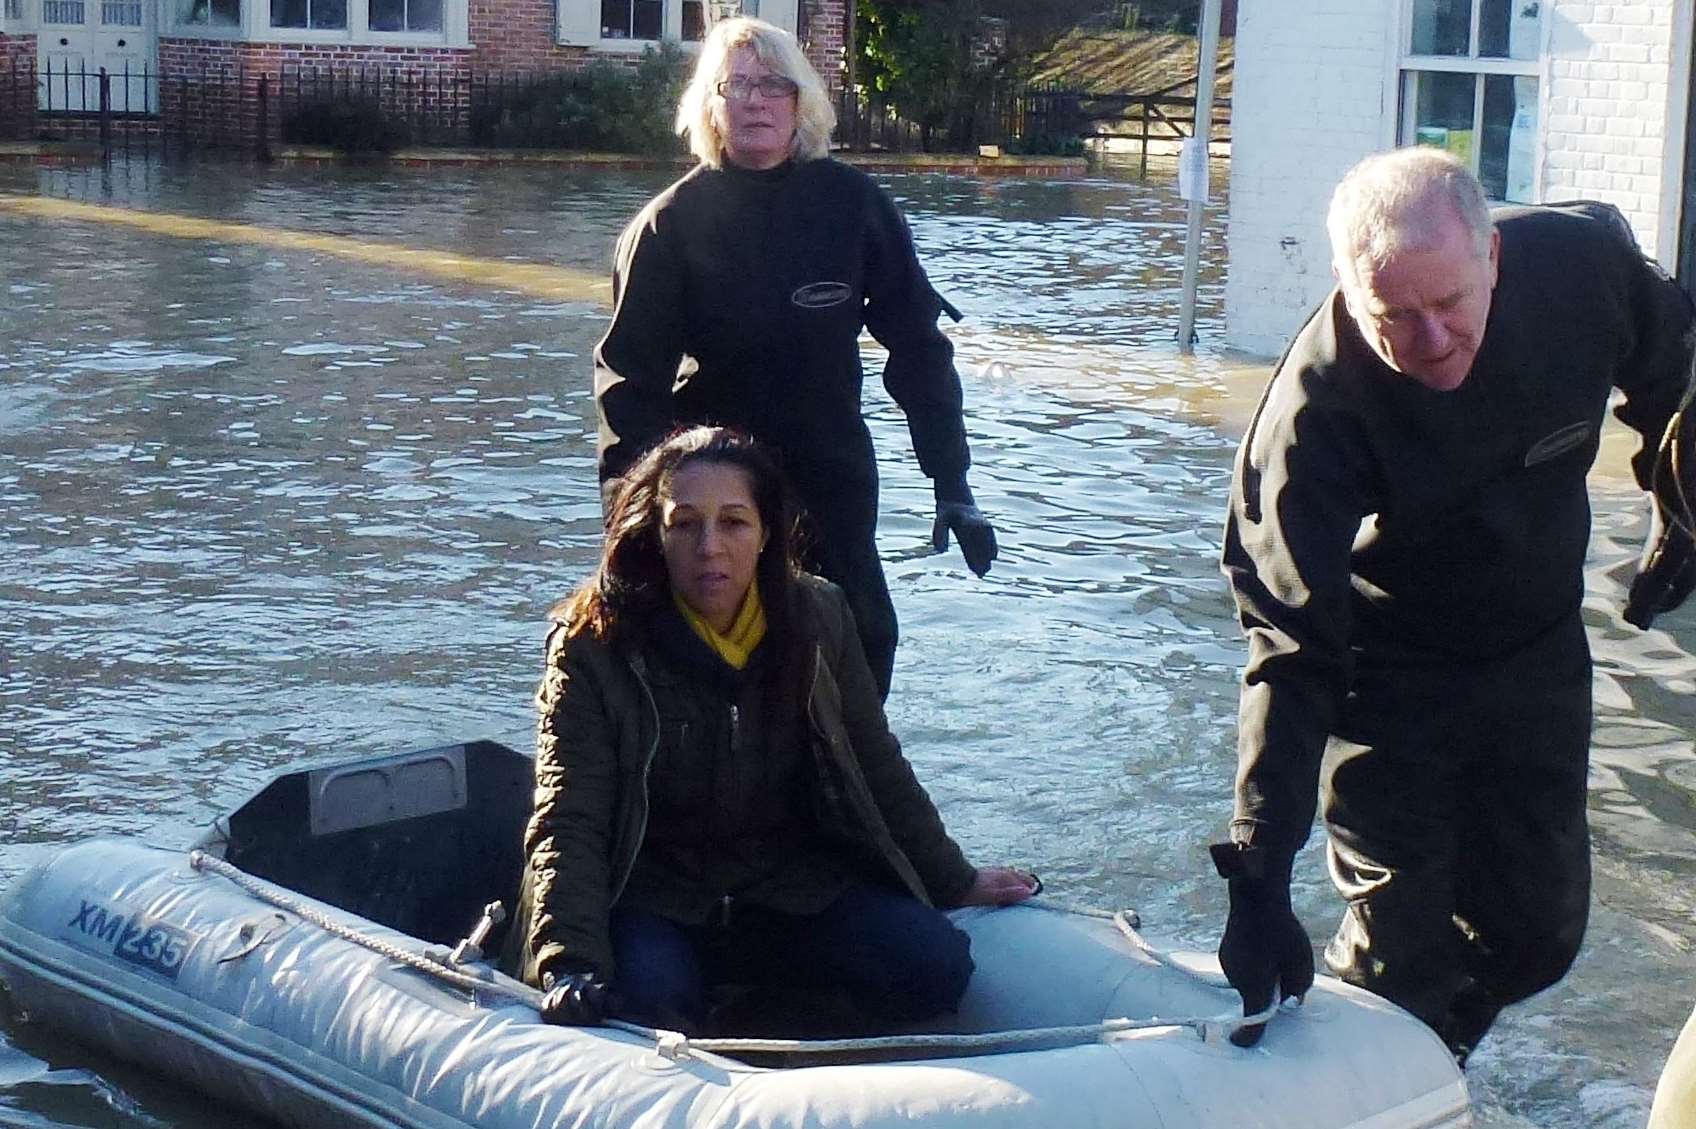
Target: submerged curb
x=51, y=152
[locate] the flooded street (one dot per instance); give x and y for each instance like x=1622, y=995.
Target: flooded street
x=267, y=500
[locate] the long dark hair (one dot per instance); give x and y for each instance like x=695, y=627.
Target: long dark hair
x=631, y=580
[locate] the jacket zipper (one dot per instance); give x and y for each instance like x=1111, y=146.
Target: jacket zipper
x=735, y=724
x=647, y=766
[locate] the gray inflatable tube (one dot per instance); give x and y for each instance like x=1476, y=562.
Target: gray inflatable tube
x=130, y=949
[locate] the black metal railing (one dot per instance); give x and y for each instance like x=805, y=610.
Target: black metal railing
x=376, y=109
x=372, y=108
x=128, y=108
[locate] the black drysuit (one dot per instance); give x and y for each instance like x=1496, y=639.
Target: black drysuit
x=1407, y=566
x=738, y=299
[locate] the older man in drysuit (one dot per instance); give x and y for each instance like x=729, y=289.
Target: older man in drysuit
x=1405, y=543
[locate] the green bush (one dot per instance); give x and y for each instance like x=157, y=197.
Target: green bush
x=918, y=56
x=355, y=124
x=606, y=106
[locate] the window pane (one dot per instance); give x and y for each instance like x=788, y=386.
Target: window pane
x=1508, y=29
x=647, y=18
x=424, y=15
x=1442, y=110
x=1441, y=27
x=388, y=15
x=288, y=13
x=216, y=13
x=694, y=23
x=615, y=19
x=1508, y=146
x=329, y=13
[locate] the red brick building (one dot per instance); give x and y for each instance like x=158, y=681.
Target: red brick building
x=169, y=40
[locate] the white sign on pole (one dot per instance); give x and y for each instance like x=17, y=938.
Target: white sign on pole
x=1192, y=170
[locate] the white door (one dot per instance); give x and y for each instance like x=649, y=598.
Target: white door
x=126, y=46
x=80, y=37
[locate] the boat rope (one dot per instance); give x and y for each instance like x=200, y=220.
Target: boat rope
x=422, y=962
x=676, y=1044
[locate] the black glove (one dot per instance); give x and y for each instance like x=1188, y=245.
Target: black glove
x=574, y=999
x=1265, y=948
x=957, y=511
x=1667, y=571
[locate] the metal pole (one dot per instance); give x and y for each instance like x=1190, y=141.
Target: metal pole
x=105, y=113
x=1207, y=64
x=265, y=118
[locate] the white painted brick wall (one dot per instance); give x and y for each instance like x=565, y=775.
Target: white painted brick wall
x=1308, y=101
x=1314, y=94
x=1605, y=107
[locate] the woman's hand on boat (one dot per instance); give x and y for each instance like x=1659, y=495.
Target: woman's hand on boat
x=1000, y=886
x=575, y=999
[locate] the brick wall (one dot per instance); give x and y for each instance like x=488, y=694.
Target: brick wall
x=16, y=48
x=209, y=89
x=17, y=87
x=1605, y=109
x=518, y=35
x=1309, y=101
x=824, y=32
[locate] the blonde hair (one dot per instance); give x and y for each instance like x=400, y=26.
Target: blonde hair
x=700, y=110
x=1397, y=201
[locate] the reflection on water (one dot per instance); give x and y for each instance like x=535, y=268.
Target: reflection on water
x=265, y=502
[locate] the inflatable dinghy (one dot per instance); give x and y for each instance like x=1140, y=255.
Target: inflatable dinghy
x=319, y=958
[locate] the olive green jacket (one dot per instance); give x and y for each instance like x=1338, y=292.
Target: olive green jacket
x=598, y=732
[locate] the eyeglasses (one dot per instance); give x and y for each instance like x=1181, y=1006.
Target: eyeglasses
x=740, y=89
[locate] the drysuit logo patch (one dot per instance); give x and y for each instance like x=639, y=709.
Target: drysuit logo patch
x=818, y=295
x=1557, y=443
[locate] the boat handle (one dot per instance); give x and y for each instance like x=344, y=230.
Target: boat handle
x=251, y=936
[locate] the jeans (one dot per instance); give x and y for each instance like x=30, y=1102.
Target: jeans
x=894, y=958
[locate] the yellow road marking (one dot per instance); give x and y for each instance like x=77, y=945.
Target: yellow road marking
x=561, y=283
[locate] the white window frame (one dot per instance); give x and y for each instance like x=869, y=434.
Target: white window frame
x=256, y=27
x=176, y=27
x=578, y=23
x=1399, y=116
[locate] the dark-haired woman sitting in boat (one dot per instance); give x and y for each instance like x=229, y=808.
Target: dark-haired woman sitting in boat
x=719, y=798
